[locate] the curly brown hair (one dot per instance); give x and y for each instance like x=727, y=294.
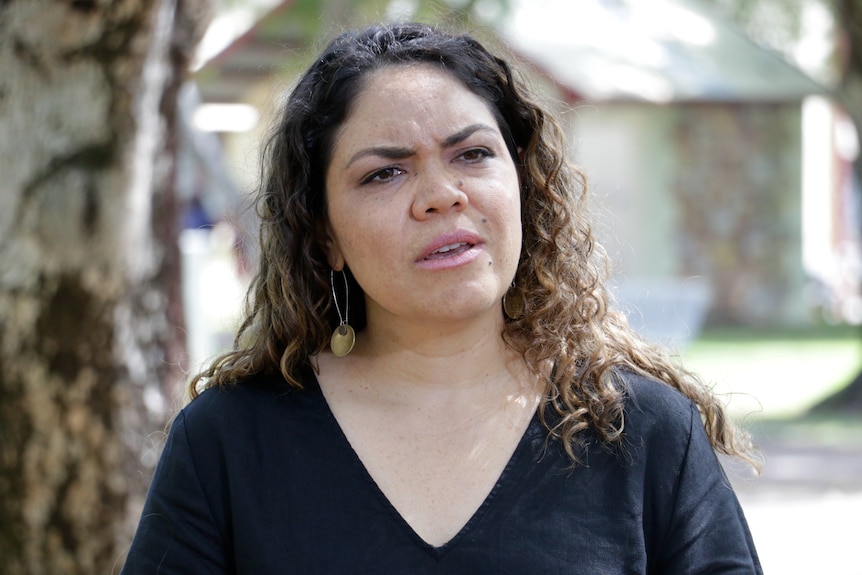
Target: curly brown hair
x=568, y=332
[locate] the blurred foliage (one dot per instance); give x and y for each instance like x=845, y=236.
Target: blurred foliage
x=786, y=25
x=314, y=13
x=775, y=23
x=302, y=26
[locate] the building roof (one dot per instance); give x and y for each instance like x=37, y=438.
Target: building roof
x=656, y=50
x=256, y=54
x=596, y=50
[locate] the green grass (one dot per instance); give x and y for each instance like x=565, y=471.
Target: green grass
x=776, y=374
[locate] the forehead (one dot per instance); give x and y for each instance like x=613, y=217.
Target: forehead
x=400, y=96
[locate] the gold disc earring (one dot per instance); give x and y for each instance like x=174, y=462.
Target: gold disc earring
x=343, y=336
x=513, y=302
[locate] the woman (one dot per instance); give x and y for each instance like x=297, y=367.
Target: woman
x=429, y=378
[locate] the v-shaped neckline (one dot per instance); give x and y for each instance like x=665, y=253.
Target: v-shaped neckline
x=502, y=483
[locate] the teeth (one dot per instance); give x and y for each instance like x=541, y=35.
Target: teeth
x=449, y=248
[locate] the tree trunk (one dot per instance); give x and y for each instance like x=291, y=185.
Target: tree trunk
x=89, y=329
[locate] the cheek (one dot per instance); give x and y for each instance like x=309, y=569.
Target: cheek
x=362, y=234
x=510, y=215
x=342, y=231
x=506, y=209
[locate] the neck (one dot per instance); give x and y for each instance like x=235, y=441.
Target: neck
x=431, y=345
x=433, y=363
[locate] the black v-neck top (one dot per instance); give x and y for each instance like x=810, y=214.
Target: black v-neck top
x=259, y=479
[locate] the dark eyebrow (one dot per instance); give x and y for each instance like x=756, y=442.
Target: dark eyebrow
x=390, y=153
x=465, y=133
x=396, y=153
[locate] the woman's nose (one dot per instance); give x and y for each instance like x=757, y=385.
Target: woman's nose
x=437, y=192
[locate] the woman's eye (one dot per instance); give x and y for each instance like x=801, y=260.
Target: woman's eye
x=477, y=154
x=384, y=175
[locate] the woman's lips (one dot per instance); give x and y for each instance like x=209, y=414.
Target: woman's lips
x=450, y=250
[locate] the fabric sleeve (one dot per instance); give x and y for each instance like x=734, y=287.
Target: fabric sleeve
x=177, y=532
x=708, y=532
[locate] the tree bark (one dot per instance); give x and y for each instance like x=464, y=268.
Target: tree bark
x=90, y=329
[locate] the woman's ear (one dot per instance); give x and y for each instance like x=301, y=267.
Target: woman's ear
x=330, y=247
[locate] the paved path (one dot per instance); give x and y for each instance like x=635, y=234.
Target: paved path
x=805, y=511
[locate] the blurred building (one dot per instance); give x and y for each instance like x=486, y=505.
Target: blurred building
x=691, y=136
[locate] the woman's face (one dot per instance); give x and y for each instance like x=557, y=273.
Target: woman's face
x=423, y=199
